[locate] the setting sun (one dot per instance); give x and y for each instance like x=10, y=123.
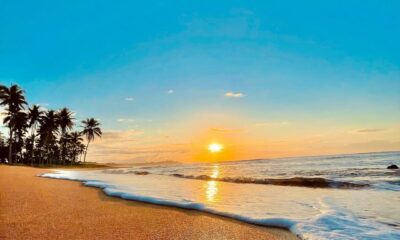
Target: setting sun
x=215, y=147
x=250, y=110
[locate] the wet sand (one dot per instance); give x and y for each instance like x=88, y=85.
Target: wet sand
x=32, y=207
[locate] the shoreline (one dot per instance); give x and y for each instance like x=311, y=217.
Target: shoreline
x=43, y=208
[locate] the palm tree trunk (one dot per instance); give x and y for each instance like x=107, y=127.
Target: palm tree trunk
x=62, y=147
x=33, y=147
x=75, y=155
x=10, y=148
x=87, y=146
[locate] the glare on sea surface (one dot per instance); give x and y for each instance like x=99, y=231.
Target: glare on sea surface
x=215, y=147
x=211, y=186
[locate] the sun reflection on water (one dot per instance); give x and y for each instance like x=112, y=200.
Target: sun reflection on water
x=212, y=185
x=215, y=171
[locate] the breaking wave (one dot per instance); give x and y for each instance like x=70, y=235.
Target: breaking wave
x=313, y=182
x=308, y=215
x=295, y=181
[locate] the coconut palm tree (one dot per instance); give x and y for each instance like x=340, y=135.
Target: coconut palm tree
x=65, y=121
x=45, y=128
x=29, y=148
x=20, y=128
x=34, y=117
x=18, y=121
x=74, y=142
x=48, y=130
x=3, y=150
x=1, y=139
x=14, y=100
x=90, y=130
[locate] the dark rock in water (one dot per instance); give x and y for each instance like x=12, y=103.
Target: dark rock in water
x=393, y=166
x=141, y=173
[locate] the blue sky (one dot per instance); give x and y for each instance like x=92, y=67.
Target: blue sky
x=146, y=70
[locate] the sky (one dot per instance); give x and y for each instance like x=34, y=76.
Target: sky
x=165, y=79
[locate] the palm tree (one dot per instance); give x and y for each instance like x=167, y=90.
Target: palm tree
x=65, y=121
x=90, y=130
x=3, y=154
x=19, y=124
x=14, y=100
x=34, y=117
x=29, y=148
x=2, y=148
x=81, y=150
x=1, y=140
x=20, y=128
x=48, y=130
x=45, y=127
x=75, y=141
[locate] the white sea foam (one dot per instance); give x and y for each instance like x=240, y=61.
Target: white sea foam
x=311, y=213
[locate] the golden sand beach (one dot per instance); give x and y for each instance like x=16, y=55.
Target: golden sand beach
x=32, y=207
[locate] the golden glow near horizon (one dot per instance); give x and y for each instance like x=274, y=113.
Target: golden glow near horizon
x=215, y=147
x=216, y=137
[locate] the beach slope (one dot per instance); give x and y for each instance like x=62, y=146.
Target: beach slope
x=41, y=208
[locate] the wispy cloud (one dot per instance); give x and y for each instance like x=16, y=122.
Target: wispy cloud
x=134, y=146
x=234, y=94
x=129, y=99
x=271, y=124
x=223, y=130
x=369, y=130
x=170, y=91
x=125, y=120
x=114, y=135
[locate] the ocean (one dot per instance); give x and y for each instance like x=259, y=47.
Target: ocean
x=352, y=196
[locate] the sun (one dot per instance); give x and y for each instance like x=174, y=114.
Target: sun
x=215, y=147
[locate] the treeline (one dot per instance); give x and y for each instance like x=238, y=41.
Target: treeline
x=40, y=136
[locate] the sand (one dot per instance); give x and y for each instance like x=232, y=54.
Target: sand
x=32, y=207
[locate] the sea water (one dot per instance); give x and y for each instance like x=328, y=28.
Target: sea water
x=325, y=197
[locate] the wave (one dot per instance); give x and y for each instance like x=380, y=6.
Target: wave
x=312, y=182
x=332, y=222
x=113, y=191
x=123, y=171
x=295, y=181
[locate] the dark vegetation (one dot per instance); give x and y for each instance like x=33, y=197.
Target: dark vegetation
x=42, y=137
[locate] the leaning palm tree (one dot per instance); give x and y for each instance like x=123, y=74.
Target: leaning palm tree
x=14, y=100
x=65, y=121
x=90, y=130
